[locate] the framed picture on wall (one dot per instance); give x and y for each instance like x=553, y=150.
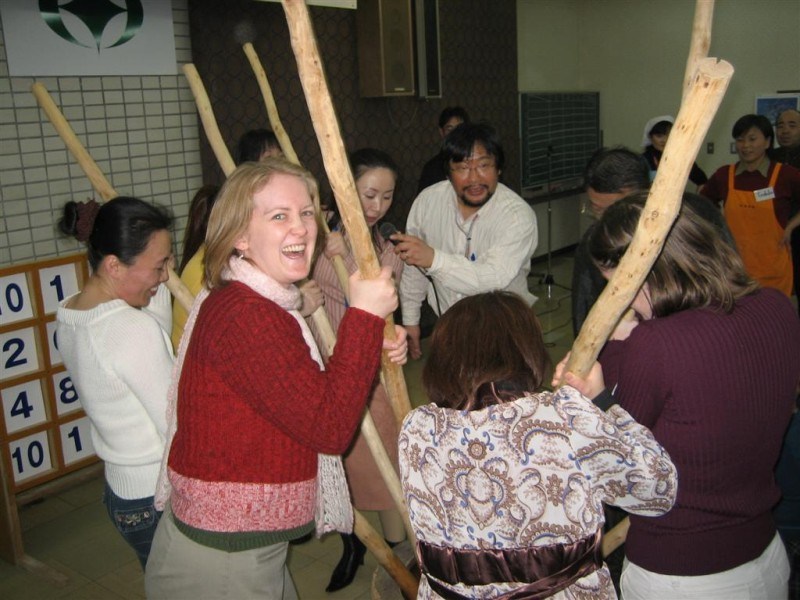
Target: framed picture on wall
x=772, y=106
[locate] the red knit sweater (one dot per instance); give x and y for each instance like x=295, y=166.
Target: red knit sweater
x=254, y=409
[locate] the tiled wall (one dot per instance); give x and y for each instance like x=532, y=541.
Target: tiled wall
x=142, y=131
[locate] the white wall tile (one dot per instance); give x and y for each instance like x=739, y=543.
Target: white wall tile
x=121, y=122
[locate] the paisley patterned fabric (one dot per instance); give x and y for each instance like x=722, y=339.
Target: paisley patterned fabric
x=532, y=472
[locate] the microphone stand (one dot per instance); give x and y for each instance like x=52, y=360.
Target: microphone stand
x=548, y=278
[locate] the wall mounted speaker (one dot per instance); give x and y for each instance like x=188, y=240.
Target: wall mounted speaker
x=429, y=78
x=385, y=56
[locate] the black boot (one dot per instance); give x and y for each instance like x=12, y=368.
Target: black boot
x=352, y=557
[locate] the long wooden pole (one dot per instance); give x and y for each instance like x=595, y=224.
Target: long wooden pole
x=701, y=40
x=269, y=101
x=705, y=94
x=96, y=177
x=326, y=126
x=288, y=149
x=207, y=118
x=334, y=156
x=368, y=428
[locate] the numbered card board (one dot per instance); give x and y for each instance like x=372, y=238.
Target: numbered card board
x=44, y=432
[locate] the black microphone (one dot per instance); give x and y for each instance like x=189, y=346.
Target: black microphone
x=388, y=229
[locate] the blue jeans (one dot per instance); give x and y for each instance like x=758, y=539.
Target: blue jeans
x=136, y=521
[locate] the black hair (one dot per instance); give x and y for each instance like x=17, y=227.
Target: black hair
x=458, y=144
x=451, y=112
x=363, y=160
x=612, y=170
x=660, y=128
x=195, y=233
x=254, y=143
x=123, y=227
x=747, y=122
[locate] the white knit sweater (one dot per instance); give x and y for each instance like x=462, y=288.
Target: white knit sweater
x=120, y=360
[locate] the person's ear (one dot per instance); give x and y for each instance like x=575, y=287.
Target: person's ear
x=112, y=264
x=242, y=244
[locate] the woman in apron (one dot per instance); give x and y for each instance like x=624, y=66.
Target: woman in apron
x=758, y=197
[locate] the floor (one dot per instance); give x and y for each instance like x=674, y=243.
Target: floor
x=71, y=533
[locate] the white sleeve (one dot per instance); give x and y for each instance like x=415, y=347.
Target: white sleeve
x=142, y=359
x=413, y=284
x=514, y=242
x=160, y=308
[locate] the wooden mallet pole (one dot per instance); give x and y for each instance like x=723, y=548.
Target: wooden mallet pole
x=207, y=118
x=334, y=156
x=269, y=101
x=705, y=93
x=288, y=149
x=96, y=177
x=701, y=40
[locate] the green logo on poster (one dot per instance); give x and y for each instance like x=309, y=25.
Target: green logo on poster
x=96, y=15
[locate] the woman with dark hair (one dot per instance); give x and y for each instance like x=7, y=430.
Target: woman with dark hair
x=759, y=197
x=195, y=233
x=711, y=364
x=191, y=267
x=256, y=145
x=505, y=486
x=654, y=140
x=114, y=338
x=375, y=175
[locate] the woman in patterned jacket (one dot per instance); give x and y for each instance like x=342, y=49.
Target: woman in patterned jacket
x=505, y=485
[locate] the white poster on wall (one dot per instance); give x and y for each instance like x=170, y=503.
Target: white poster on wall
x=98, y=37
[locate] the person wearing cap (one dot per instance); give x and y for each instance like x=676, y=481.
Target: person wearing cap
x=654, y=139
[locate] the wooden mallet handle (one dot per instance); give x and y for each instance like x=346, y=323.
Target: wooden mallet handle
x=96, y=177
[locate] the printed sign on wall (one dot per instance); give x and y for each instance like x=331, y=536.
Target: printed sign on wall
x=123, y=37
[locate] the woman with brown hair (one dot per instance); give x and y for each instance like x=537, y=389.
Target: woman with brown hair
x=505, y=485
x=711, y=364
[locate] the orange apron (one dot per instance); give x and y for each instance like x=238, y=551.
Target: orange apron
x=759, y=236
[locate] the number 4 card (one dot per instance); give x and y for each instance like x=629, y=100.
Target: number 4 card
x=23, y=406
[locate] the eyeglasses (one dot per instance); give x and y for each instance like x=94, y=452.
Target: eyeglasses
x=483, y=166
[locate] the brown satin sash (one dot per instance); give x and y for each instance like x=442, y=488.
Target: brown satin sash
x=545, y=569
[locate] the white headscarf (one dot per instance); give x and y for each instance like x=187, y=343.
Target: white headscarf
x=646, y=136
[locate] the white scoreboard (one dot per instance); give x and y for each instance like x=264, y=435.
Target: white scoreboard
x=44, y=432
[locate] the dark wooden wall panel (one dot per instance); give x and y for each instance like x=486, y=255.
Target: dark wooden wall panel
x=478, y=42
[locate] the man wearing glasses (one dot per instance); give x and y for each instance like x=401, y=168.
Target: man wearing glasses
x=465, y=235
